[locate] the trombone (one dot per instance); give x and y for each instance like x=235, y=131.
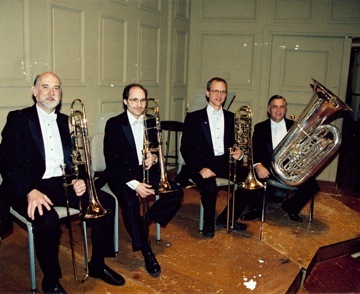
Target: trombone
x=243, y=140
x=164, y=185
x=80, y=141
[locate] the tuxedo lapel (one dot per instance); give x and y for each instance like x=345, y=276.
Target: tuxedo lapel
x=229, y=136
x=126, y=127
x=62, y=122
x=268, y=137
x=34, y=125
x=204, y=121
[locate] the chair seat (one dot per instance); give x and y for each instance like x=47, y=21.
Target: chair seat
x=277, y=184
x=61, y=211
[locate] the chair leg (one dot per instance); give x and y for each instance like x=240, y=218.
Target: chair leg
x=116, y=227
x=85, y=245
x=201, y=218
x=158, y=237
x=263, y=212
x=311, y=209
x=167, y=148
x=31, y=257
x=176, y=149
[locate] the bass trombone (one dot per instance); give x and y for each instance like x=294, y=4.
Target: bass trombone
x=243, y=140
x=80, y=141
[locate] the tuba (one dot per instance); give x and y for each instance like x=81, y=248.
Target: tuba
x=310, y=143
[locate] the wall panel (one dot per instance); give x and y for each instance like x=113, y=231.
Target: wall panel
x=229, y=10
x=344, y=11
x=293, y=10
x=149, y=49
x=180, y=57
x=68, y=44
x=113, y=51
x=14, y=45
x=235, y=63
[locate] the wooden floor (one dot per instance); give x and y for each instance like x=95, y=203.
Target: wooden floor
x=228, y=263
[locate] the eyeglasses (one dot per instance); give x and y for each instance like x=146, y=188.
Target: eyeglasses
x=217, y=92
x=137, y=100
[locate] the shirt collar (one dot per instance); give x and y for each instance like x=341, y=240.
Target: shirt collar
x=275, y=124
x=44, y=115
x=212, y=112
x=133, y=120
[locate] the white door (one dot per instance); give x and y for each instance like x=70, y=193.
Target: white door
x=295, y=60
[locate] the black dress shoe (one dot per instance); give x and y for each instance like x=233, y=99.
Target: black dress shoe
x=208, y=231
x=295, y=217
x=251, y=215
x=237, y=225
x=151, y=264
x=106, y=274
x=52, y=287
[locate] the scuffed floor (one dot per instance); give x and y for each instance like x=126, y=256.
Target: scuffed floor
x=228, y=263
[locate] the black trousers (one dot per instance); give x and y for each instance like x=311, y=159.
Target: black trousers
x=209, y=190
x=296, y=202
x=47, y=231
x=162, y=211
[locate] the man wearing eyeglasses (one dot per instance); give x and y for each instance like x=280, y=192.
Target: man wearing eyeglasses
x=127, y=161
x=207, y=136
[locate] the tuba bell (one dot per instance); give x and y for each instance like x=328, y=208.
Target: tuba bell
x=310, y=143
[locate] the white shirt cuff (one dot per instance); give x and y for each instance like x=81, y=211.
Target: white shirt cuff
x=133, y=184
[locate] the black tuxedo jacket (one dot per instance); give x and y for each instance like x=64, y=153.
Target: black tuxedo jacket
x=196, y=144
x=122, y=164
x=262, y=142
x=22, y=150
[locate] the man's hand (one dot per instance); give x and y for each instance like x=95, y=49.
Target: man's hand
x=150, y=160
x=236, y=153
x=144, y=190
x=36, y=199
x=79, y=187
x=207, y=173
x=262, y=171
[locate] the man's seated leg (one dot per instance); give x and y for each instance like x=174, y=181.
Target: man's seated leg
x=102, y=232
x=241, y=201
x=255, y=204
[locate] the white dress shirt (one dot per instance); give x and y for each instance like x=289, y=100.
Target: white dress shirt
x=54, y=155
x=217, y=126
x=137, y=127
x=278, y=131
